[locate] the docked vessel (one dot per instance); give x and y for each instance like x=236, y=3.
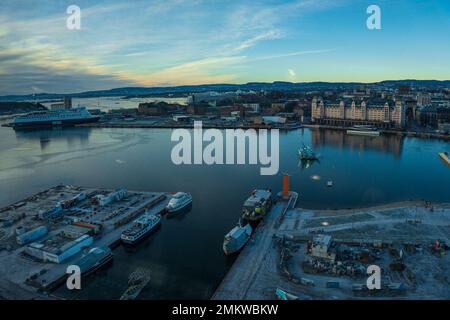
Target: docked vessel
x=54, y=118
x=445, y=157
x=257, y=205
x=363, y=130
x=306, y=153
x=179, y=201
x=94, y=260
x=237, y=238
x=142, y=227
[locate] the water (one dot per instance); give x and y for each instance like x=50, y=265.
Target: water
x=185, y=256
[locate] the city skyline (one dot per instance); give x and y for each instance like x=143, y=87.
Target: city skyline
x=169, y=43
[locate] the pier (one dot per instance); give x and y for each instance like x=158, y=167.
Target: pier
x=98, y=215
x=242, y=275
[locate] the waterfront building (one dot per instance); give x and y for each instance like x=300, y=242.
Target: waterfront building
x=58, y=248
x=67, y=102
x=433, y=115
x=278, y=107
x=347, y=113
x=253, y=106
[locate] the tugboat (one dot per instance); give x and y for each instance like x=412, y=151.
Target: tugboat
x=237, y=238
x=179, y=201
x=257, y=205
x=306, y=153
x=142, y=227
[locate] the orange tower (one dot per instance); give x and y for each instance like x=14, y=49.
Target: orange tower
x=285, y=185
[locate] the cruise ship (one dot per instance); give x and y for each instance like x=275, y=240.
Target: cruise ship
x=54, y=118
x=142, y=227
x=237, y=238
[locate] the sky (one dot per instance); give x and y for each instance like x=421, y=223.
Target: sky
x=176, y=42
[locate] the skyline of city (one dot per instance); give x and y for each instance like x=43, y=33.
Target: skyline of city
x=167, y=43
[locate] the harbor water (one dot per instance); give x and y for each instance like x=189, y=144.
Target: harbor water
x=184, y=257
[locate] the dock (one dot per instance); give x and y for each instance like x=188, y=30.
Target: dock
x=324, y=254
x=67, y=221
x=240, y=278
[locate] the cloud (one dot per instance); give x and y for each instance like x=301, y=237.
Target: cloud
x=136, y=42
x=269, y=35
x=207, y=70
x=292, y=54
x=292, y=73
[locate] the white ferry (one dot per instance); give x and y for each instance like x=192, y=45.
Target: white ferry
x=179, y=201
x=142, y=227
x=54, y=118
x=363, y=130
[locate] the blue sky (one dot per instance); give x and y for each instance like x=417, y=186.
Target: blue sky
x=173, y=42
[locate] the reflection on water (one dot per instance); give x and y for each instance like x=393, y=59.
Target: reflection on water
x=55, y=136
x=339, y=138
x=185, y=256
x=305, y=164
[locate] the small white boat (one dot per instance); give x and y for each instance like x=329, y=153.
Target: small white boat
x=329, y=183
x=363, y=130
x=179, y=201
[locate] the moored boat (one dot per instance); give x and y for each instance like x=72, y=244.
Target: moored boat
x=179, y=201
x=141, y=228
x=363, y=130
x=237, y=238
x=54, y=118
x=257, y=205
x=94, y=260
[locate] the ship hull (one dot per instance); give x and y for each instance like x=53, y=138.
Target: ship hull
x=179, y=208
x=234, y=249
x=52, y=123
x=102, y=264
x=363, y=133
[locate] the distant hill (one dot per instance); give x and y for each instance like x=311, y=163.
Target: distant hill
x=277, y=85
x=19, y=107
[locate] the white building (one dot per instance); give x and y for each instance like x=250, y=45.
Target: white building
x=321, y=247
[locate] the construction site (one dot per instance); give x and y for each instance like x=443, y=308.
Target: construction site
x=42, y=235
x=320, y=255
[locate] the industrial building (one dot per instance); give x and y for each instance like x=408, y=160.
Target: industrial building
x=321, y=247
x=58, y=248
